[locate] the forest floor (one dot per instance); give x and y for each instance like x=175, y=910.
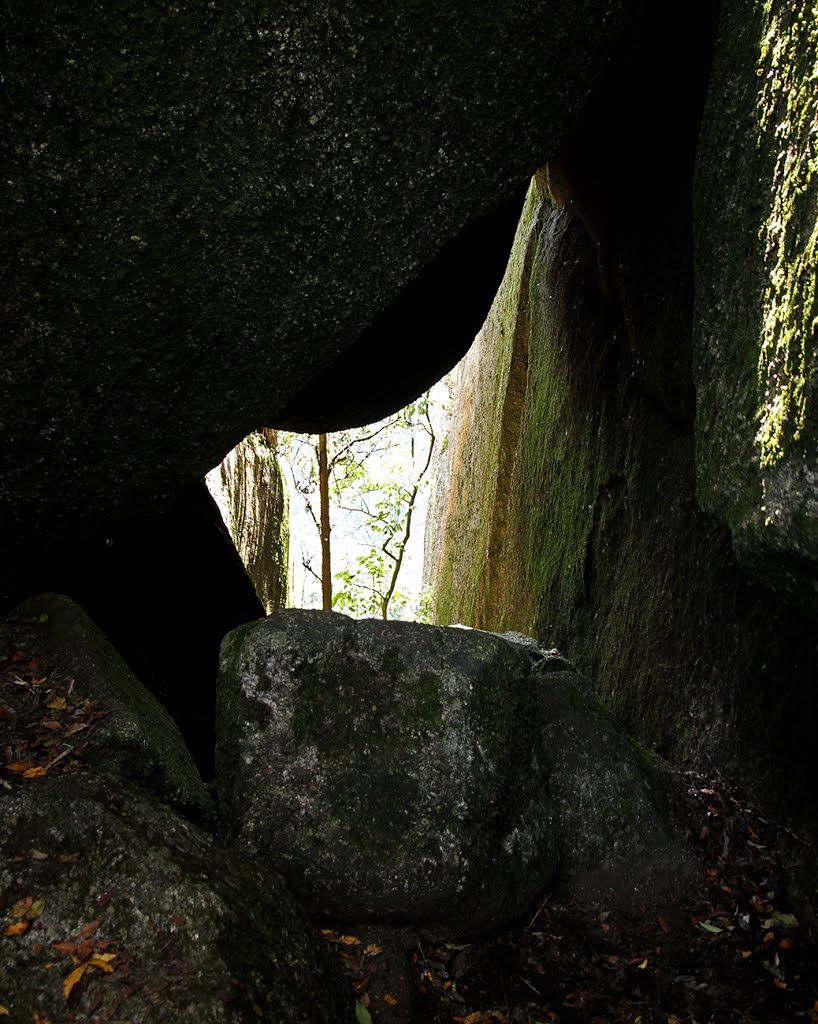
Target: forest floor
x=733, y=952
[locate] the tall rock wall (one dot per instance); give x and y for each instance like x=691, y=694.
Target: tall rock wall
x=756, y=330
x=252, y=497
x=580, y=523
x=472, y=479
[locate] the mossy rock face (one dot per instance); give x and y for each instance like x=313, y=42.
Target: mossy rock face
x=598, y=543
x=183, y=930
x=756, y=330
x=473, y=552
x=396, y=771
x=138, y=741
x=209, y=205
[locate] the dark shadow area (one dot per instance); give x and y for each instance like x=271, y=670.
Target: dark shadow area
x=164, y=588
x=420, y=335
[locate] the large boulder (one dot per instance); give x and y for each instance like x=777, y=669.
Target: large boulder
x=205, y=208
x=249, y=489
x=135, y=738
x=115, y=907
x=756, y=329
x=402, y=772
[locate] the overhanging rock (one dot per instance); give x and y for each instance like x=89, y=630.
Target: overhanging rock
x=207, y=206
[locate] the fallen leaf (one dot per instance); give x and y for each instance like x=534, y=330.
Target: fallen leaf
x=712, y=928
x=39, y=1019
x=391, y=1000
x=35, y=773
x=643, y=965
x=36, y=682
x=101, y=962
x=362, y=1015
x=88, y=929
x=4, y=1011
x=350, y=940
x=36, y=909
x=58, y=704
x=38, y=855
x=65, y=947
x=784, y=920
x=18, y=766
x=779, y=983
x=50, y=724
x=17, y=928
x=21, y=907
x=373, y=950
x=69, y=858
x=72, y=979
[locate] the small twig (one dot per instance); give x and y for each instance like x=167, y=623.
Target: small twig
x=540, y=909
x=59, y=757
x=534, y=990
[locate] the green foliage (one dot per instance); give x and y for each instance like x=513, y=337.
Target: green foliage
x=377, y=473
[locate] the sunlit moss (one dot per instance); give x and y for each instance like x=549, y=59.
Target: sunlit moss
x=484, y=439
x=787, y=113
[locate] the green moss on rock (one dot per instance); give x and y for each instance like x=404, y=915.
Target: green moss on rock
x=446, y=790
x=612, y=560
x=477, y=555
x=756, y=332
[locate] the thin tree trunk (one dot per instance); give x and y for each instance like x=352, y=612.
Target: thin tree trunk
x=323, y=490
x=398, y=560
